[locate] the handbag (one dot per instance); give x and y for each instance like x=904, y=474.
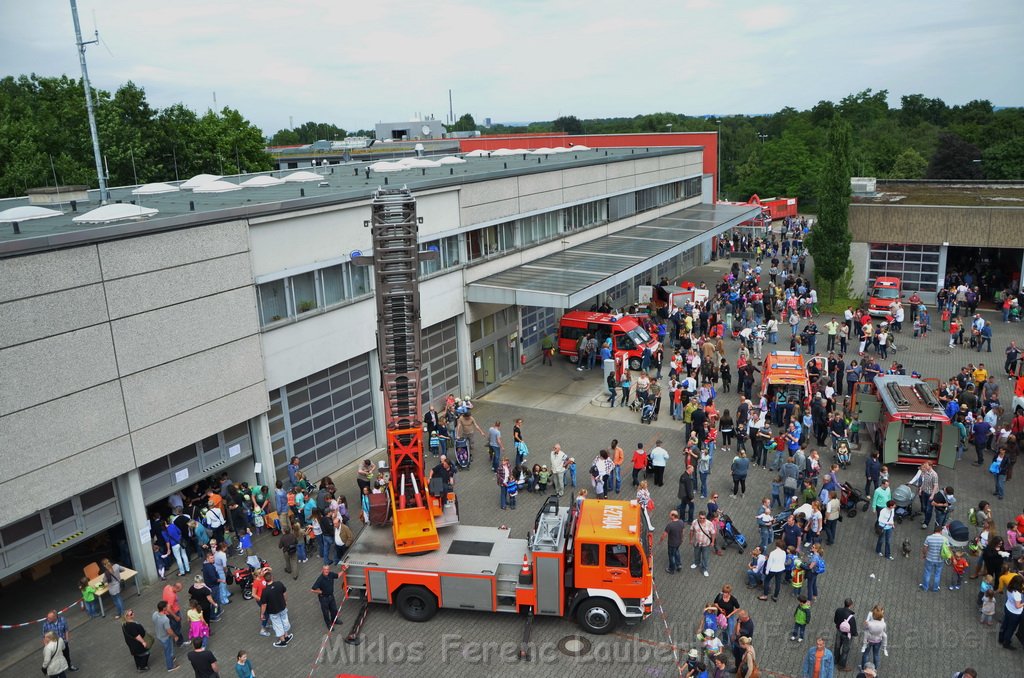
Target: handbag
x=878, y=529
x=994, y=467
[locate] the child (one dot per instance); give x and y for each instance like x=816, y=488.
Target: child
x=711, y=643
x=511, y=492
x=776, y=492
x=197, y=628
x=960, y=565
x=543, y=477
x=535, y=478
x=259, y=583
x=245, y=541
x=572, y=472
x=716, y=520
x=364, y=506
x=855, y=430
x=710, y=619
x=89, y=598
x=161, y=559
x=988, y=607
x=945, y=319
x=883, y=474
x=987, y=586
x=801, y=617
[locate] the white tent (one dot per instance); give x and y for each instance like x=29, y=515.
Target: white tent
x=155, y=189
x=27, y=213
x=303, y=176
x=451, y=160
x=115, y=212
x=261, y=181
x=501, y=152
x=217, y=187
x=200, y=179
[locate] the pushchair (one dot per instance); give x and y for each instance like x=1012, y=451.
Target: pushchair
x=849, y=497
x=843, y=455
x=904, y=498
x=462, y=456
x=731, y=534
x=647, y=413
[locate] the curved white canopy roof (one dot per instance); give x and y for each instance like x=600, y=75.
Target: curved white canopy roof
x=451, y=160
x=501, y=152
x=27, y=213
x=385, y=166
x=261, y=181
x=217, y=187
x=479, y=153
x=543, y=150
x=155, y=189
x=303, y=176
x=580, y=147
x=418, y=163
x=115, y=212
x=200, y=179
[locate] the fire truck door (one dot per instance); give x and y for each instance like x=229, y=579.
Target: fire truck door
x=868, y=408
x=947, y=451
x=891, y=443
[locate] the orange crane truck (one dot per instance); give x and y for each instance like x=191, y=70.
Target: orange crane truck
x=592, y=561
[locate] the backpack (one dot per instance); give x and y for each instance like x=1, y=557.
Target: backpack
x=819, y=566
x=594, y=471
x=844, y=626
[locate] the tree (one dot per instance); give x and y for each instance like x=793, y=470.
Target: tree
x=1005, y=160
x=569, y=124
x=909, y=165
x=829, y=242
x=955, y=159
x=464, y=124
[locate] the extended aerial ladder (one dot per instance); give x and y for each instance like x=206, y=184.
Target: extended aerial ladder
x=416, y=511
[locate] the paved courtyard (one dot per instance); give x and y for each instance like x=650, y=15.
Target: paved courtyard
x=930, y=635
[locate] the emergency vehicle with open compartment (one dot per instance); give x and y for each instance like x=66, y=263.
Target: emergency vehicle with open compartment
x=784, y=377
x=592, y=561
x=629, y=338
x=906, y=420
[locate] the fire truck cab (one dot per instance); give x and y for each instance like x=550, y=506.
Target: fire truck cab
x=906, y=420
x=784, y=377
x=594, y=565
x=884, y=293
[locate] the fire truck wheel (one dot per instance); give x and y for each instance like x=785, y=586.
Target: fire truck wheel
x=416, y=603
x=634, y=364
x=597, y=615
x=247, y=593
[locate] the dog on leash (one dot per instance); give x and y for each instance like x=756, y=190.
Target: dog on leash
x=905, y=548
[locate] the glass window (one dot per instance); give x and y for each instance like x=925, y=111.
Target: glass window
x=359, y=280
x=97, y=496
x=273, y=303
x=61, y=512
x=22, y=529
x=304, y=292
x=333, y=280
x=590, y=555
x=616, y=555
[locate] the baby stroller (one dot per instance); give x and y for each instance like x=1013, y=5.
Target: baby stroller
x=731, y=535
x=904, y=498
x=957, y=533
x=243, y=576
x=843, y=454
x=647, y=413
x=462, y=457
x=849, y=497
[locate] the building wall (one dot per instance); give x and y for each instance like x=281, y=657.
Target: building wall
x=117, y=353
x=935, y=225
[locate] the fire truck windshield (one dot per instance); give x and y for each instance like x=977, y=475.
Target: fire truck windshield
x=639, y=335
x=885, y=293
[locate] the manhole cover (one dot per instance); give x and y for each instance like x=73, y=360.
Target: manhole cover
x=941, y=351
x=574, y=646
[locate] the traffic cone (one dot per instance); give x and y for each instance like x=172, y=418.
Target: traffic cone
x=526, y=573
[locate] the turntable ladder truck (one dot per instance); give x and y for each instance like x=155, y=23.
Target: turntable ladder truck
x=592, y=562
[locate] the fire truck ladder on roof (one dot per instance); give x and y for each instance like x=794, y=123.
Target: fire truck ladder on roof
x=396, y=272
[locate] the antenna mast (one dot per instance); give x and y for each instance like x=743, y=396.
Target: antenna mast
x=88, y=102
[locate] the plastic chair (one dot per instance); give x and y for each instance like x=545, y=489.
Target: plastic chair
x=91, y=571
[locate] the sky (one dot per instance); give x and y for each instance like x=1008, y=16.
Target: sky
x=356, y=64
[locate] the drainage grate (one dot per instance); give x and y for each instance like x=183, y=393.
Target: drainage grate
x=574, y=646
x=942, y=351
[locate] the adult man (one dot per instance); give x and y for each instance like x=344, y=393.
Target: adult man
x=495, y=445
x=792, y=532
x=211, y=579
x=790, y=473
x=774, y=568
x=744, y=629
x=931, y=553
x=927, y=481
x=323, y=587
x=170, y=596
x=702, y=538
x=559, y=460
x=881, y=496
x=810, y=336
x=659, y=459
x=165, y=635
x=289, y=543
x=56, y=623
x=943, y=501
x=818, y=662
x=293, y=469
x=173, y=536
x=846, y=628
x=674, y=534
x=687, y=488
x=1012, y=355
x=220, y=563
x=639, y=463
x=274, y=605
x=203, y=662
x=446, y=472
x=872, y=470
x=831, y=329
x=618, y=458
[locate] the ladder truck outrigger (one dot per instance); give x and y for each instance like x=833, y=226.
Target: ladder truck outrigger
x=593, y=562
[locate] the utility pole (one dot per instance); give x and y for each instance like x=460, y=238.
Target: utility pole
x=451, y=109
x=88, y=102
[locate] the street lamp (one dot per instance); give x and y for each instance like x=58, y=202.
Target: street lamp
x=762, y=137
